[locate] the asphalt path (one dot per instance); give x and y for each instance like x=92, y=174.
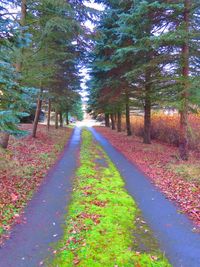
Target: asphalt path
x=29, y=243
x=174, y=231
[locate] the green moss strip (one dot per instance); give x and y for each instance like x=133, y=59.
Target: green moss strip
x=99, y=228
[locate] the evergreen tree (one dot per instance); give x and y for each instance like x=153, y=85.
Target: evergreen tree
x=14, y=99
x=54, y=33
x=154, y=45
x=114, y=88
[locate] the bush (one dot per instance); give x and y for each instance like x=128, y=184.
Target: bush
x=165, y=128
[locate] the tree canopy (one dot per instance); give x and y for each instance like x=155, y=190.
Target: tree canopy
x=142, y=56
x=42, y=46
x=146, y=55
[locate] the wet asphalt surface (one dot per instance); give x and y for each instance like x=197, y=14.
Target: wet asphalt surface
x=173, y=230
x=29, y=243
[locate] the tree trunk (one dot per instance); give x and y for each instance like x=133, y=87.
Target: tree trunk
x=128, y=122
x=19, y=60
x=183, y=138
x=22, y=23
x=56, y=120
x=37, y=116
x=112, y=121
x=107, y=120
x=119, y=122
x=147, y=121
x=4, y=140
x=49, y=115
x=61, y=120
x=147, y=109
x=115, y=117
x=67, y=117
x=23, y=12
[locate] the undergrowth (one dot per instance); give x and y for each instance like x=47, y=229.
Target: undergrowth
x=165, y=128
x=99, y=229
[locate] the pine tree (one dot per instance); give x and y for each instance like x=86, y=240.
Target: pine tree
x=14, y=99
x=156, y=44
x=114, y=89
x=53, y=28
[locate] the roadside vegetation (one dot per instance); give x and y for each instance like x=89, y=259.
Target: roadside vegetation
x=22, y=169
x=103, y=226
x=165, y=128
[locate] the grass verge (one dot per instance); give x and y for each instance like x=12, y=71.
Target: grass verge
x=104, y=226
x=190, y=172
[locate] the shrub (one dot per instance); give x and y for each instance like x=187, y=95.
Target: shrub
x=165, y=128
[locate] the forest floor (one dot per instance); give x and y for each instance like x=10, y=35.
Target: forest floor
x=178, y=180
x=22, y=169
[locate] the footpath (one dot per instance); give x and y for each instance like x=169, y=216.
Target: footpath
x=29, y=243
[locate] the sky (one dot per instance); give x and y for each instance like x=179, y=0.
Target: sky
x=84, y=70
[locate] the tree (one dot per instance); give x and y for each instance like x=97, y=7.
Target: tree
x=108, y=73
x=13, y=98
x=183, y=143
x=54, y=32
x=153, y=46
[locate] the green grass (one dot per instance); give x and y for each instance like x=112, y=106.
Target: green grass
x=190, y=172
x=100, y=225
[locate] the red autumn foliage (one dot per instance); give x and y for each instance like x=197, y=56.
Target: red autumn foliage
x=22, y=168
x=154, y=160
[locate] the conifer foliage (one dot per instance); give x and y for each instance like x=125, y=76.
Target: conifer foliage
x=146, y=56
x=15, y=100
x=39, y=58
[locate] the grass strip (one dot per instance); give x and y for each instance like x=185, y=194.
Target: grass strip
x=99, y=229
